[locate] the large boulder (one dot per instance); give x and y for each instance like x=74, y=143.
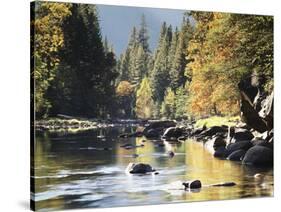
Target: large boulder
x=173, y=132
x=218, y=142
x=266, y=111
x=197, y=131
x=256, y=108
x=259, y=155
x=237, y=155
x=213, y=130
x=241, y=134
x=245, y=145
x=139, y=168
x=261, y=142
x=220, y=152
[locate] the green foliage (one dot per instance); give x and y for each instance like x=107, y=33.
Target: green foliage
x=144, y=101
x=194, y=70
x=160, y=73
x=168, y=107
x=135, y=62
x=218, y=121
x=47, y=40
x=181, y=100
x=71, y=61
x=178, y=56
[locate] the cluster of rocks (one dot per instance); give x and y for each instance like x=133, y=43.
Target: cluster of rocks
x=165, y=130
x=238, y=144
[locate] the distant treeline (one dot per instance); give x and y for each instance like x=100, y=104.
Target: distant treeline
x=194, y=70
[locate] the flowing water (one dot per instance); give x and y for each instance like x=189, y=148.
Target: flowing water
x=73, y=170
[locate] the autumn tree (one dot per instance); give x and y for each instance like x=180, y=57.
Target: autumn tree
x=168, y=106
x=144, y=101
x=125, y=93
x=46, y=41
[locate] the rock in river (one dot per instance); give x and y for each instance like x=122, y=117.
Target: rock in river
x=245, y=145
x=139, y=168
x=237, y=155
x=172, y=132
x=226, y=184
x=171, y=153
x=221, y=152
x=241, y=135
x=259, y=155
x=194, y=184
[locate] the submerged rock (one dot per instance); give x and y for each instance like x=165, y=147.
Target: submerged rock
x=171, y=153
x=135, y=155
x=226, y=184
x=127, y=146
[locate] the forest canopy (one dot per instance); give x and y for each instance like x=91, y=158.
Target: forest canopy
x=193, y=72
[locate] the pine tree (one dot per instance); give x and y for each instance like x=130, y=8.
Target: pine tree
x=143, y=35
x=79, y=86
x=160, y=73
x=140, y=65
x=173, y=48
x=177, y=71
x=127, y=61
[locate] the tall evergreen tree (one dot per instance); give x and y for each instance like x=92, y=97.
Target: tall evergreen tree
x=143, y=35
x=79, y=86
x=160, y=73
x=177, y=71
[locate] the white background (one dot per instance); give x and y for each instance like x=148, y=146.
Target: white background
x=14, y=102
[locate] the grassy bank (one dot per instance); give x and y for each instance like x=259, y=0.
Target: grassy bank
x=217, y=121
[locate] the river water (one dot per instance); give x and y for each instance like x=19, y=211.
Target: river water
x=72, y=170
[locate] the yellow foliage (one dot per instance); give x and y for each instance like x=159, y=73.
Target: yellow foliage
x=212, y=89
x=124, y=88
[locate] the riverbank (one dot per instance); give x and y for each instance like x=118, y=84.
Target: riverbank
x=79, y=124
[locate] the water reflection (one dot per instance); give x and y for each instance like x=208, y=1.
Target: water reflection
x=86, y=169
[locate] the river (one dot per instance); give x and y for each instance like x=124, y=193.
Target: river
x=72, y=170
